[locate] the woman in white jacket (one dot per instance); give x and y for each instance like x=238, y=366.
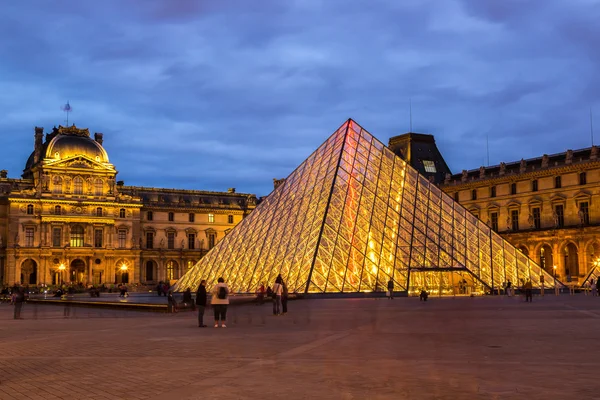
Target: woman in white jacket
x=219, y=301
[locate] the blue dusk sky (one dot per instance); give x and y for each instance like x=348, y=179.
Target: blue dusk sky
x=211, y=94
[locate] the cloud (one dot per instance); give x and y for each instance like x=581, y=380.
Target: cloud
x=210, y=95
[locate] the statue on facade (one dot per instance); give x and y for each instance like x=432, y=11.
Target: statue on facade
x=481, y=172
x=182, y=244
x=581, y=217
x=45, y=181
x=594, y=153
x=502, y=168
x=545, y=161
x=569, y=157
x=162, y=243
x=508, y=224
x=111, y=186
x=522, y=166
x=464, y=175
x=555, y=218
x=530, y=220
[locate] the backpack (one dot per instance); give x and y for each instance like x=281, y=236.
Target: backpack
x=222, y=293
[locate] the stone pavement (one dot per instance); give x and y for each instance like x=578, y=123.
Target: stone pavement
x=448, y=348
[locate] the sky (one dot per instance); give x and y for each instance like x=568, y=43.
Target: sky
x=208, y=95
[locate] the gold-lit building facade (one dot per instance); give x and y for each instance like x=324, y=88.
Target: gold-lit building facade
x=548, y=207
x=68, y=219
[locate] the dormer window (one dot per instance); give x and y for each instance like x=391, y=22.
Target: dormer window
x=429, y=166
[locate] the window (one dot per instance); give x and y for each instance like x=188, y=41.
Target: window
x=57, y=185
x=230, y=219
x=98, y=187
x=211, y=240
x=191, y=241
x=192, y=217
x=78, y=185
x=30, y=209
x=559, y=215
x=171, y=240
x=584, y=213
x=171, y=217
x=170, y=270
x=149, y=270
x=77, y=236
x=474, y=194
x=514, y=219
x=513, y=188
x=28, y=237
x=211, y=218
x=534, y=185
x=494, y=221
x=149, y=215
x=582, y=178
x=429, y=166
x=493, y=191
x=455, y=196
x=57, y=210
x=99, y=212
x=537, y=219
x=98, y=237
x=56, y=237
x=557, y=182
x=122, y=213
x=122, y=237
x=149, y=240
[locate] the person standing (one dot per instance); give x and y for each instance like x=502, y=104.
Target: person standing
x=509, y=289
x=18, y=300
x=201, y=303
x=390, y=289
x=171, y=303
x=528, y=291
x=284, y=297
x=277, y=292
x=220, y=301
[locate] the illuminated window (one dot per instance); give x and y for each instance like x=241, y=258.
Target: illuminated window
x=429, y=166
x=56, y=237
x=230, y=219
x=582, y=178
x=30, y=209
x=78, y=185
x=98, y=233
x=28, y=237
x=534, y=185
x=211, y=218
x=98, y=187
x=149, y=215
x=192, y=217
x=190, y=264
x=77, y=236
x=171, y=266
x=123, y=238
x=171, y=240
x=57, y=210
x=149, y=240
x=99, y=212
x=192, y=241
x=122, y=213
x=57, y=185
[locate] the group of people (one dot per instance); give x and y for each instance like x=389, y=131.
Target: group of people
x=278, y=294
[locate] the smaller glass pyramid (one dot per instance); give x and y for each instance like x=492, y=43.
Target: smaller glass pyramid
x=354, y=216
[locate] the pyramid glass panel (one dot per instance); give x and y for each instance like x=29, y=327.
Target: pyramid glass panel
x=352, y=217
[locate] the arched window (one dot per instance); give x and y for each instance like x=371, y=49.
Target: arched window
x=98, y=187
x=57, y=185
x=77, y=236
x=78, y=185
x=171, y=268
x=30, y=209
x=99, y=212
x=57, y=210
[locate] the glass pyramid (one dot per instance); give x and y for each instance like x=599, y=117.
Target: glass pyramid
x=353, y=216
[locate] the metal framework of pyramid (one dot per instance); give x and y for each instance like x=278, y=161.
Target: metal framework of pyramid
x=353, y=216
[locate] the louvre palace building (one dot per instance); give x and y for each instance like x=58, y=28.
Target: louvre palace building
x=68, y=219
x=547, y=207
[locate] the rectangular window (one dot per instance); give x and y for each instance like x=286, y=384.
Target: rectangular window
x=582, y=178
x=211, y=218
x=584, y=213
x=557, y=182
x=149, y=215
x=455, y=196
x=171, y=217
x=494, y=221
x=191, y=241
x=98, y=237
x=534, y=185
x=122, y=213
x=537, y=219
x=493, y=191
x=474, y=194
x=122, y=238
x=513, y=188
x=514, y=219
x=149, y=240
x=192, y=217
x=211, y=240
x=429, y=166
x=29, y=237
x=559, y=215
x=171, y=240
x=230, y=219
x=56, y=237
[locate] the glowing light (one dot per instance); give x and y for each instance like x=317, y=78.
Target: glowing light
x=123, y=267
x=62, y=267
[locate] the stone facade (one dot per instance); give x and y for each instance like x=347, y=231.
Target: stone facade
x=548, y=207
x=68, y=219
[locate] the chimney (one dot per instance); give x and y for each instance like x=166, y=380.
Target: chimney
x=37, y=147
x=231, y=190
x=98, y=137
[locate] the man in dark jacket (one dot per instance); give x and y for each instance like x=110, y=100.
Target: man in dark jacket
x=19, y=299
x=201, y=303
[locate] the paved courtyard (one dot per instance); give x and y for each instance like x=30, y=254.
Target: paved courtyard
x=449, y=348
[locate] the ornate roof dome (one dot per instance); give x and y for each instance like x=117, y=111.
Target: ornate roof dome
x=66, y=146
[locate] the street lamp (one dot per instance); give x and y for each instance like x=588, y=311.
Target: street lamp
x=554, y=274
x=61, y=268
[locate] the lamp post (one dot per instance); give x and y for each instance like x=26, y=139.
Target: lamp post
x=61, y=268
x=124, y=271
x=555, y=286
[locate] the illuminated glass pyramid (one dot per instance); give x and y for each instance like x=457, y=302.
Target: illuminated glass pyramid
x=353, y=216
